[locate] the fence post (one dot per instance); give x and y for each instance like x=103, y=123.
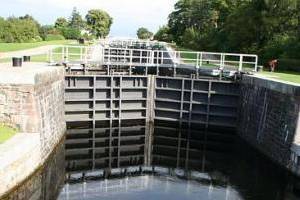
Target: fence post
x=241, y=63
x=197, y=60
x=67, y=54
x=62, y=53
x=48, y=55
x=85, y=56
x=222, y=61
x=131, y=52
x=201, y=59
x=256, y=63
x=152, y=57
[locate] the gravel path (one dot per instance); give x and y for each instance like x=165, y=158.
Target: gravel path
x=28, y=52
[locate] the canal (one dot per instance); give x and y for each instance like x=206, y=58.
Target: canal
x=178, y=164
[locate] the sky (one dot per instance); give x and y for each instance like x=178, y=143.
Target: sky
x=128, y=15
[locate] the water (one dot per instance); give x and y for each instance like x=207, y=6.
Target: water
x=178, y=165
x=147, y=187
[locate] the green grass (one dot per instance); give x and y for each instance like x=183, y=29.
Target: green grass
x=7, y=47
x=43, y=57
x=35, y=58
x=6, y=133
x=289, y=76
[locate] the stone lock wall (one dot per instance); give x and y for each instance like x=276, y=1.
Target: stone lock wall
x=17, y=108
x=49, y=101
x=36, y=108
x=34, y=103
x=268, y=117
x=45, y=182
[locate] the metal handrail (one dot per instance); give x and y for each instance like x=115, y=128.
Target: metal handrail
x=148, y=57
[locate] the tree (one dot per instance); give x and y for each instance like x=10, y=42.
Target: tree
x=71, y=33
x=269, y=28
x=61, y=22
x=99, y=22
x=48, y=29
x=30, y=18
x=144, y=33
x=70, y=29
x=19, y=30
x=163, y=34
x=2, y=29
x=76, y=20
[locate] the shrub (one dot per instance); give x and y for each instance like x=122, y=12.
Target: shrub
x=289, y=65
x=51, y=37
x=71, y=33
x=18, y=30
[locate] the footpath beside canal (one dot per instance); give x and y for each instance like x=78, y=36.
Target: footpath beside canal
x=32, y=100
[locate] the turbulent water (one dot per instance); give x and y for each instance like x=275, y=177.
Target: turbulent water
x=183, y=165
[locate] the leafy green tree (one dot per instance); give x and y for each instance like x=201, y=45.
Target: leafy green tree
x=190, y=38
x=98, y=22
x=2, y=29
x=61, y=22
x=69, y=29
x=71, y=33
x=47, y=29
x=269, y=28
x=76, y=20
x=163, y=34
x=19, y=30
x=144, y=33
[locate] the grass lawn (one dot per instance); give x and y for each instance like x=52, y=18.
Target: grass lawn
x=283, y=75
x=6, y=133
x=35, y=58
x=43, y=57
x=6, y=47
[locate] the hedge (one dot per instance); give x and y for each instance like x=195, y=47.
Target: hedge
x=289, y=65
x=51, y=37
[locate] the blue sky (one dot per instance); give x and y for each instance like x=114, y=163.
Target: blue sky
x=128, y=15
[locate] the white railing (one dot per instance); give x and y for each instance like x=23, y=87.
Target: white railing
x=65, y=54
x=144, y=57
x=125, y=43
x=180, y=58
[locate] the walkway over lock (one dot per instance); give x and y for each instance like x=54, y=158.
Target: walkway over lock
x=151, y=55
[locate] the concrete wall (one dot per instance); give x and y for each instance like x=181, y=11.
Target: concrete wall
x=44, y=182
x=269, y=119
x=32, y=99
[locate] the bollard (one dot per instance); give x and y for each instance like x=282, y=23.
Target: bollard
x=26, y=58
x=17, y=62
